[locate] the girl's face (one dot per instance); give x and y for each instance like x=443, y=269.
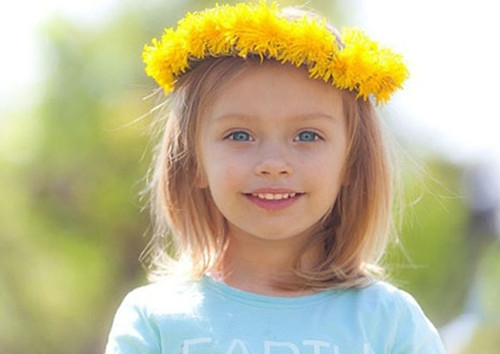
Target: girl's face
x=272, y=149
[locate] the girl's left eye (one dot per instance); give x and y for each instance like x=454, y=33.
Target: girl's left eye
x=307, y=136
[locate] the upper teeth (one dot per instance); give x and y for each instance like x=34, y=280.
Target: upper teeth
x=274, y=196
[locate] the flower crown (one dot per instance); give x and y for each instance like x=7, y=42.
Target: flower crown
x=358, y=63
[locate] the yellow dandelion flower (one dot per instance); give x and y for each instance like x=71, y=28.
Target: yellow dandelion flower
x=361, y=65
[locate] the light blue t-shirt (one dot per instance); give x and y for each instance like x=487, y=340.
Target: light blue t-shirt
x=208, y=316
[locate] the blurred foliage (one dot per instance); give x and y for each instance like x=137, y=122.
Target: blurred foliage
x=72, y=167
x=486, y=339
x=71, y=228
x=430, y=261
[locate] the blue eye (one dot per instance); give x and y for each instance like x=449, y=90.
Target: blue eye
x=239, y=136
x=307, y=136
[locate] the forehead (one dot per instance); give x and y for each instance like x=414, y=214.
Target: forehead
x=271, y=89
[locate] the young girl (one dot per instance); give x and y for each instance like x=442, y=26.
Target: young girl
x=273, y=187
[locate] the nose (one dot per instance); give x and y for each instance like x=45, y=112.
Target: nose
x=273, y=162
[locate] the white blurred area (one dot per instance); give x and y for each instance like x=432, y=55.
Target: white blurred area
x=451, y=48
x=20, y=21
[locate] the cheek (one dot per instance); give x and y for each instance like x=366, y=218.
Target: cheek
x=325, y=172
x=225, y=182
x=329, y=163
x=224, y=174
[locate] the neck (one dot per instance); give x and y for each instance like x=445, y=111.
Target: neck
x=264, y=266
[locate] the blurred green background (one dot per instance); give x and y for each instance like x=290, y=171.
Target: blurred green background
x=72, y=225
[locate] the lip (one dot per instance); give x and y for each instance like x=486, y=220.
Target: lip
x=274, y=204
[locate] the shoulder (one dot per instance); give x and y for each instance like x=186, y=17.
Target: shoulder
x=138, y=321
x=378, y=298
x=165, y=296
x=396, y=311
x=386, y=301
x=384, y=295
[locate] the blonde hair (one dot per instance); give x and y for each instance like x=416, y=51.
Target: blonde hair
x=190, y=233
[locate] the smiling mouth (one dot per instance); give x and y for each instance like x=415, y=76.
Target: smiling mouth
x=273, y=196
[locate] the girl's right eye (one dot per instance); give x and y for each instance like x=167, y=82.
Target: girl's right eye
x=239, y=136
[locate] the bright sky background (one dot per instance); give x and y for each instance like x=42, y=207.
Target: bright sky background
x=449, y=46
